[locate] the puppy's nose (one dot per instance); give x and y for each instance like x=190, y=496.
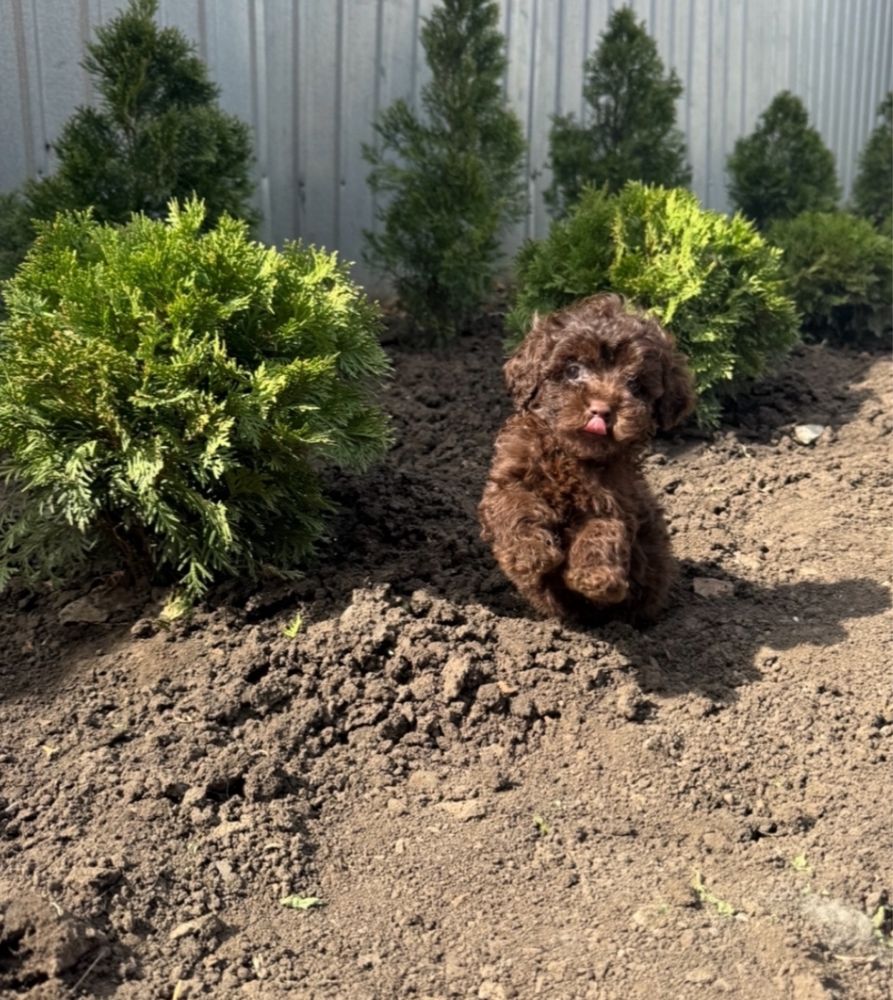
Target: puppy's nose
x=599, y=408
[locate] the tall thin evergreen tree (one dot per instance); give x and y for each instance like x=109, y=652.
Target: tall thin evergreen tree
x=449, y=180
x=873, y=187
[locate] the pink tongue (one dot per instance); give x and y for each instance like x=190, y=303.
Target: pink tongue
x=596, y=425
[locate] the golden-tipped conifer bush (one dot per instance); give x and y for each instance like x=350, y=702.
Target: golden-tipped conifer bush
x=713, y=281
x=169, y=394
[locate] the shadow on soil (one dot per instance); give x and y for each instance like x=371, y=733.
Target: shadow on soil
x=711, y=646
x=399, y=530
x=816, y=385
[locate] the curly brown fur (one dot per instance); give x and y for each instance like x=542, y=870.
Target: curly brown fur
x=566, y=508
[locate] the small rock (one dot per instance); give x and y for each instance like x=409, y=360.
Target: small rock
x=843, y=927
x=464, y=811
x=708, y=586
x=144, y=628
x=523, y=707
x=39, y=940
x=423, y=781
x=226, y=870
x=680, y=894
x=82, y=610
x=422, y=688
x=226, y=829
x=457, y=674
x=699, y=707
x=490, y=990
x=490, y=697
x=600, y=968
x=808, y=433
x=701, y=976
x=206, y=926
x=631, y=704
x=496, y=780
x=494, y=755
x=715, y=842
x=193, y=796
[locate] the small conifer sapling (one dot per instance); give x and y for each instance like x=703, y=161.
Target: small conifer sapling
x=449, y=180
x=630, y=128
x=839, y=271
x=783, y=167
x=157, y=133
x=873, y=187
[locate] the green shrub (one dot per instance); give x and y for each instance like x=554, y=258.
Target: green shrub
x=839, y=271
x=170, y=394
x=873, y=187
x=16, y=234
x=157, y=134
x=631, y=133
x=449, y=183
x=713, y=281
x=782, y=168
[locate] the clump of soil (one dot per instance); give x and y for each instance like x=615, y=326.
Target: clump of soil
x=487, y=804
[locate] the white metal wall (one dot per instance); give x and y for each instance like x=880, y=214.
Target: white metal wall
x=309, y=75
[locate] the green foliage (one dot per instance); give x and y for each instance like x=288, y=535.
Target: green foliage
x=839, y=271
x=713, y=281
x=15, y=234
x=782, y=168
x=708, y=898
x=631, y=132
x=449, y=182
x=301, y=902
x=873, y=187
x=156, y=135
x=170, y=394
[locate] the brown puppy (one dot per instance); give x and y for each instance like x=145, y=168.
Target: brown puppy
x=566, y=509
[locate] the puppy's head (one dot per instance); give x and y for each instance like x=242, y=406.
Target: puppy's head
x=603, y=377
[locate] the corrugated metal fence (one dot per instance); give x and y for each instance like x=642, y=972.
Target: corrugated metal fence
x=310, y=75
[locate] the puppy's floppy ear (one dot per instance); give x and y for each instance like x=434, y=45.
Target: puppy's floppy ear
x=526, y=368
x=677, y=400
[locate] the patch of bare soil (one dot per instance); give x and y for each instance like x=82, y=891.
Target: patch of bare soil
x=488, y=804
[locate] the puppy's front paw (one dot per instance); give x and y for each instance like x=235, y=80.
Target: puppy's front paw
x=534, y=551
x=599, y=584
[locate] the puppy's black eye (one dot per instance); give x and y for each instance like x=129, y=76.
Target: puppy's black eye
x=573, y=372
x=635, y=386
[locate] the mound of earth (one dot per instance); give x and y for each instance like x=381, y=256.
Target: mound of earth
x=456, y=797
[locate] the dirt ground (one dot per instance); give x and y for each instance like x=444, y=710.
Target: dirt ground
x=487, y=805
